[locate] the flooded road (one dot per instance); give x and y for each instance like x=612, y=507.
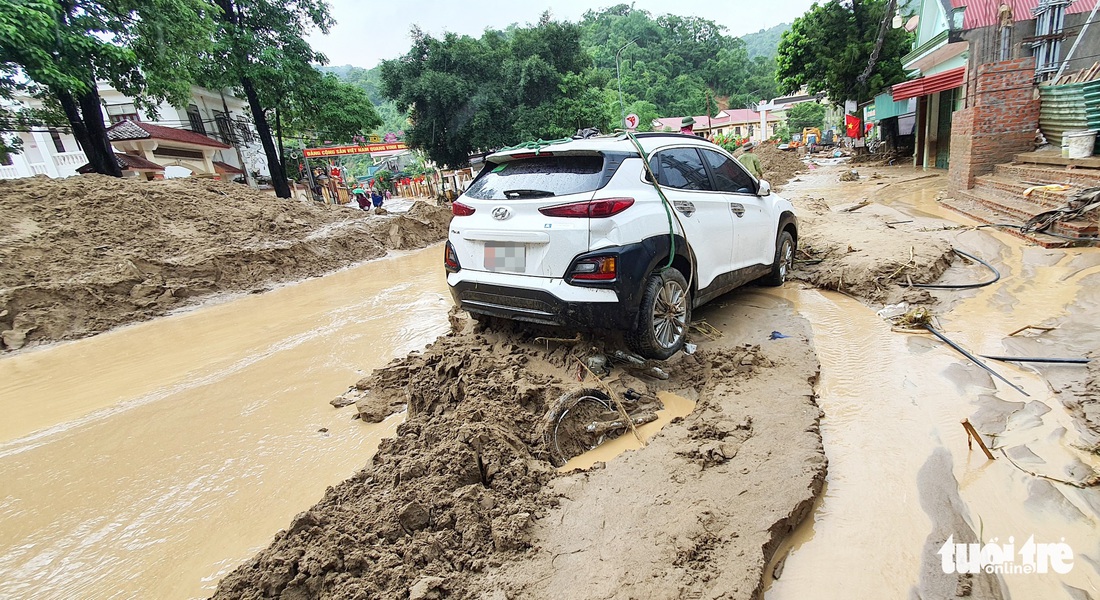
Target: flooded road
x=900, y=473
x=148, y=461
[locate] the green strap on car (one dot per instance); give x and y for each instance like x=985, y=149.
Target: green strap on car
x=664, y=200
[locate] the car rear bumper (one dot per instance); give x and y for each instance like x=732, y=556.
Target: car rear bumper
x=552, y=302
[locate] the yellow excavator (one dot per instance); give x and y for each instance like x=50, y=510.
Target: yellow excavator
x=807, y=132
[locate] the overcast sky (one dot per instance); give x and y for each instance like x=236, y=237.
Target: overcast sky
x=368, y=32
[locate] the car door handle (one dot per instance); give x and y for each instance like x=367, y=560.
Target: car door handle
x=685, y=207
x=737, y=208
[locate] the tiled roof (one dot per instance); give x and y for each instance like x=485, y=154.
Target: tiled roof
x=738, y=116
x=982, y=13
x=137, y=130
x=228, y=168
x=126, y=162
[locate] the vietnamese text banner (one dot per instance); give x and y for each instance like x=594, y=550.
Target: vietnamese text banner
x=347, y=150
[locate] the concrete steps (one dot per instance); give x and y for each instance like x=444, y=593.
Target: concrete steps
x=983, y=211
x=999, y=198
x=1032, y=173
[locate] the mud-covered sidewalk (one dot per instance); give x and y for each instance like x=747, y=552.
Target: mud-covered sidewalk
x=84, y=254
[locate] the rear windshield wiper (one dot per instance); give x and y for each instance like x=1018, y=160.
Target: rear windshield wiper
x=527, y=194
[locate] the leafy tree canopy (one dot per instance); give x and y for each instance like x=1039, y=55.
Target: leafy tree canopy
x=550, y=79
x=805, y=114
x=465, y=93
x=827, y=50
x=330, y=110
x=67, y=46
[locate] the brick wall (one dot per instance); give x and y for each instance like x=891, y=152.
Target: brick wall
x=999, y=123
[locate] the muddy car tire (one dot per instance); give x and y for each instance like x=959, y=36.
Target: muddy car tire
x=784, y=260
x=664, y=316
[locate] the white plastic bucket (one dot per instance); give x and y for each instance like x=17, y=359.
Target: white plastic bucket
x=1078, y=144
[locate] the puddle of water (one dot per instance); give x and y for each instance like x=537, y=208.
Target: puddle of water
x=889, y=403
x=674, y=406
x=148, y=461
x=892, y=400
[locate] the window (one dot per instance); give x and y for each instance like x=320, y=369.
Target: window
x=195, y=118
x=244, y=131
x=118, y=113
x=737, y=131
x=728, y=177
x=538, y=177
x=58, y=144
x=225, y=128
x=680, y=168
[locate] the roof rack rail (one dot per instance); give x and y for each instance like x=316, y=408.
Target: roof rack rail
x=649, y=134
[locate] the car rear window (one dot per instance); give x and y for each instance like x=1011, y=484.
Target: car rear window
x=538, y=177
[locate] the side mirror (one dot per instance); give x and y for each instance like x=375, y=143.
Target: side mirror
x=764, y=189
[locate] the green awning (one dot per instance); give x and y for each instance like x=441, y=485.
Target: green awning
x=886, y=107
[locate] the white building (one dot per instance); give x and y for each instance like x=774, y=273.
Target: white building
x=221, y=118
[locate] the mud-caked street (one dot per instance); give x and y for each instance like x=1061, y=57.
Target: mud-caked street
x=806, y=438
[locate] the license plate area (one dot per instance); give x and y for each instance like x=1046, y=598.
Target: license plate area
x=506, y=256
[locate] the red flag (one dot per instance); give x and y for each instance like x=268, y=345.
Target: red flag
x=851, y=126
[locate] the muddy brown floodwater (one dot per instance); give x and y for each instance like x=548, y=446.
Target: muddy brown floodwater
x=900, y=474
x=148, y=461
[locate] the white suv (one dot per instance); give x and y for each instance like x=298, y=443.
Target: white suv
x=578, y=234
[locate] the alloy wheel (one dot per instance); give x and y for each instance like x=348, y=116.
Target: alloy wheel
x=669, y=314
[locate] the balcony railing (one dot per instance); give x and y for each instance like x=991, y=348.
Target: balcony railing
x=63, y=165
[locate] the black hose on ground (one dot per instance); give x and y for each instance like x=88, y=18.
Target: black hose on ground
x=1038, y=359
x=963, y=286
x=943, y=338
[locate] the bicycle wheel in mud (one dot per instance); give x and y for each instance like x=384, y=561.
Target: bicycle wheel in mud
x=566, y=433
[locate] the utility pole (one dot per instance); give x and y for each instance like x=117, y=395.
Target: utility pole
x=619, y=81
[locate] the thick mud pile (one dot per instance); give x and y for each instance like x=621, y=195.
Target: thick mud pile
x=458, y=504
x=780, y=166
x=84, y=254
x=851, y=242
x=862, y=257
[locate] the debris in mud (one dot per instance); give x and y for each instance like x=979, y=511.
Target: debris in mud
x=460, y=490
x=879, y=276
x=850, y=175
x=121, y=250
x=456, y=490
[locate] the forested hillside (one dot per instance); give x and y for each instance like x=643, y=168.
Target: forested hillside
x=765, y=42
x=549, y=79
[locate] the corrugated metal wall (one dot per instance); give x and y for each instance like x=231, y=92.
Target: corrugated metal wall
x=1069, y=107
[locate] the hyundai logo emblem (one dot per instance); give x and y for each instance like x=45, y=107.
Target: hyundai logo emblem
x=501, y=213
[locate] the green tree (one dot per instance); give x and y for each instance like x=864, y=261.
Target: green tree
x=805, y=114
x=330, y=110
x=675, y=62
x=464, y=94
x=67, y=46
x=259, y=49
x=827, y=50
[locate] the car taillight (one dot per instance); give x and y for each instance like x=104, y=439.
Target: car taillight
x=459, y=209
x=596, y=209
x=450, y=259
x=601, y=268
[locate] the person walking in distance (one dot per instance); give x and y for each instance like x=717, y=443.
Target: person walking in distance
x=751, y=161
